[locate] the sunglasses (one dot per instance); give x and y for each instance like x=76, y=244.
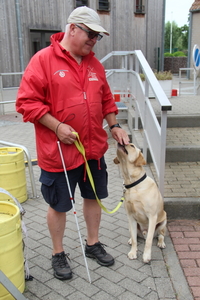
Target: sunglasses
x=91, y=34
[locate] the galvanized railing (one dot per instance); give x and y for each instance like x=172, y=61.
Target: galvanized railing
x=186, y=86
x=127, y=81
x=30, y=168
x=2, y=111
x=3, y=89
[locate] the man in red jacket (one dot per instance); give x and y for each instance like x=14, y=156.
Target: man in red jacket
x=64, y=90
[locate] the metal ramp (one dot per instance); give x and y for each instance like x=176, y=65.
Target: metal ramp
x=10, y=287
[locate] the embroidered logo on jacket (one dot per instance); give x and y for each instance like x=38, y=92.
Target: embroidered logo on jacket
x=61, y=73
x=91, y=74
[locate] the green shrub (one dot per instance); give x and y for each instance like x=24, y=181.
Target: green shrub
x=179, y=54
x=167, y=54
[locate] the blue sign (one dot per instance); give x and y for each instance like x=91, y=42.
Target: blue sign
x=196, y=57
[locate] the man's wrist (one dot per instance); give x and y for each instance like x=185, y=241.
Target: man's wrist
x=115, y=125
x=56, y=131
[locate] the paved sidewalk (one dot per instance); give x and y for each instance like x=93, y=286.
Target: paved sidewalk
x=162, y=279
x=174, y=272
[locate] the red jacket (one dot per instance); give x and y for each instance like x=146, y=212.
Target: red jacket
x=51, y=83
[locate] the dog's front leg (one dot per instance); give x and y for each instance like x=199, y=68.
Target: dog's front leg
x=161, y=234
x=133, y=240
x=149, y=239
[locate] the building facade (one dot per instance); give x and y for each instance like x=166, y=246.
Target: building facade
x=26, y=27
x=194, y=36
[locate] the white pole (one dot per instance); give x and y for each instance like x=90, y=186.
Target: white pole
x=73, y=205
x=171, y=34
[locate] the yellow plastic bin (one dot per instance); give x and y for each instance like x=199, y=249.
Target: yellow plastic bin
x=12, y=173
x=11, y=248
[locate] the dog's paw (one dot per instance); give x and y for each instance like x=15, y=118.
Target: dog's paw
x=161, y=245
x=132, y=255
x=130, y=241
x=161, y=242
x=146, y=259
x=147, y=256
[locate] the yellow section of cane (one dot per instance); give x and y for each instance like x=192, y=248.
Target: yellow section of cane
x=81, y=149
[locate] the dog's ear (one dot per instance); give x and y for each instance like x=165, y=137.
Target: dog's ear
x=116, y=160
x=140, y=161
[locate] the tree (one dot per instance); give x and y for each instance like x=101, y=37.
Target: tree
x=185, y=34
x=179, y=36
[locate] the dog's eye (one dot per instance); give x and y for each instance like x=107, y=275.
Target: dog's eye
x=133, y=146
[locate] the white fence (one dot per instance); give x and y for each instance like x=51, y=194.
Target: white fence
x=8, y=94
x=188, y=86
x=127, y=82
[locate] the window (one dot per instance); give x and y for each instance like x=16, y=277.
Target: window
x=40, y=39
x=140, y=6
x=81, y=3
x=104, y=5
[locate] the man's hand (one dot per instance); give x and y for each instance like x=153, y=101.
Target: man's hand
x=65, y=134
x=63, y=131
x=120, y=135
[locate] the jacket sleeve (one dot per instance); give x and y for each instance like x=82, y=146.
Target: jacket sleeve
x=32, y=94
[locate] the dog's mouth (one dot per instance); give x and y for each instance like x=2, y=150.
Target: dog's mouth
x=122, y=147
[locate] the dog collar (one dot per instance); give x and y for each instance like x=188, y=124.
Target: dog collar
x=128, y=186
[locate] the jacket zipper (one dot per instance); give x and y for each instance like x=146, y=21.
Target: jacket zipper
x=89, y=121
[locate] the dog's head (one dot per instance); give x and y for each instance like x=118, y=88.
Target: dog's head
x=129, y=156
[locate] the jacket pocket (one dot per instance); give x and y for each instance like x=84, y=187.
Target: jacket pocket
x=63, y=104
x=48, y=190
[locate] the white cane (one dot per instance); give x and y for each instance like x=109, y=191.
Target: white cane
x=74, y=209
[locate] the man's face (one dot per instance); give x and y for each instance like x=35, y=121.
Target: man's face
x=84, y=41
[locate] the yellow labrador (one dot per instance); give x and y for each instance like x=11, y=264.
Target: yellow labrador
x=143, y=201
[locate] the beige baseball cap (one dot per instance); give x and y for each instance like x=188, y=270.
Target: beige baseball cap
x=88, y=17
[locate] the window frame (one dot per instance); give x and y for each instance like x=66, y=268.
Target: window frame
x=40, y=38
x=140, y=6
x=84, y=3
x=103, y=8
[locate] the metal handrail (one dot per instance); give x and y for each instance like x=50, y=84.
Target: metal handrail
x=194, y=82
x=10, y=287
x=28, y=157
x=2, y=102
x=156, y=141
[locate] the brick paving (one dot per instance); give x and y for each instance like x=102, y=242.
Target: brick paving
x=185, y=235
x=174, y=272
